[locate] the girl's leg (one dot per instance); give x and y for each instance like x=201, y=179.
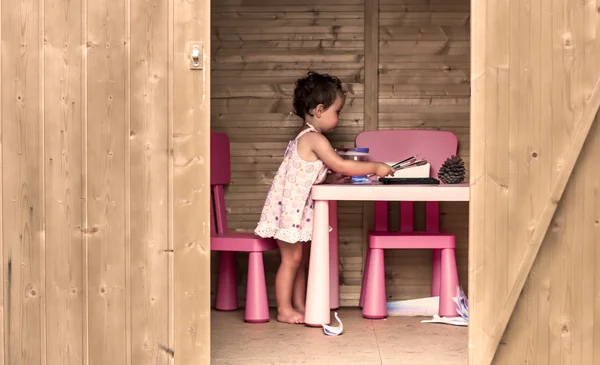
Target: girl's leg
x=299, y=299
x=291, y=256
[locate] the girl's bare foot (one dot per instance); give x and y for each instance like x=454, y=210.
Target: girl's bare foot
x=290, y=316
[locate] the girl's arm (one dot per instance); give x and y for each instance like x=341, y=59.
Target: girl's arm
x=322, y=148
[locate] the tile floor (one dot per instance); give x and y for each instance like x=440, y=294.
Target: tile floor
x=393, y=341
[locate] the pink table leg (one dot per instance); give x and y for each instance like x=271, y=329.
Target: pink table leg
x=334, y=277
x=317, y=293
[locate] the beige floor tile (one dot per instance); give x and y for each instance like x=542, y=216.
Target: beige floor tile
x=396, y=340
x=278, y=343
x=407, y=341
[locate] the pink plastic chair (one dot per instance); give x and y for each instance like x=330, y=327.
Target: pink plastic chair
x=257, y=307
x=393, y=146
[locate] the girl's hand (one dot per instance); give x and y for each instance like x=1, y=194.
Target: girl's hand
x=333, y=178
x=384, y=170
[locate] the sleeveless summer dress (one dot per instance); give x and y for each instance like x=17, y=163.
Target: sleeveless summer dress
x=288, y=211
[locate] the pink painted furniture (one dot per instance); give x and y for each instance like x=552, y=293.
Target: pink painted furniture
x=257, y=308
x=391, y=146
x=323, y=272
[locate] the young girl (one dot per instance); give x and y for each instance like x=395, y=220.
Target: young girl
x=288, y=211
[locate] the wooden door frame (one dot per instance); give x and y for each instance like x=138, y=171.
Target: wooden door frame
x=191, y=176
x=189, y=94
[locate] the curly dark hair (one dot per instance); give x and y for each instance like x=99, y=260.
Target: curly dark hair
x=315, y=89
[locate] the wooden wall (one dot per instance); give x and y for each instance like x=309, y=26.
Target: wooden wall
x=536, y=93
x=260, y=49
x=89, y=228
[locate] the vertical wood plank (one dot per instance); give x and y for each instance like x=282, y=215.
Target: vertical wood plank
x=587, y=319
x=149, y=179
x=3, y=314
x=597, y=35
x=500, y=163
x=478, y=182
x=596, y=256
x=558, y=138
x=63, y=177
x=536, y=192
x=85, y=179
x=191, y=185
x=106, y=197
x=126, y=133
x=496, y=185
x=22, y=186
x=41, y=39
x=170, y=173
x=546, y=164
x=371, y=64
x=371, y=98
x=573, y=242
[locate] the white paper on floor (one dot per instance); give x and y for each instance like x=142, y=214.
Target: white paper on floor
x=333, y=331
x=462, y=308
x=413, y=307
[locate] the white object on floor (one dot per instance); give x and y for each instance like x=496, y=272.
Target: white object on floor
x=416, y=171
x=333, y=331
x=456, y=321
x=462, y=304
x=462, y=308
x=414, y=307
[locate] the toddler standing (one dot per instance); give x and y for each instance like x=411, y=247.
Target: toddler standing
x=288, y=211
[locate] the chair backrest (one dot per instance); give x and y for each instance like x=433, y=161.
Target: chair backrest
x=396, y=145
x=220, y=159
x=220, y=174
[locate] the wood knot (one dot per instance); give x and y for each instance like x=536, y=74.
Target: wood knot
x=167, y=350
x=564, y=329
x=89, y=230
x=534, y=155
x=568, y=40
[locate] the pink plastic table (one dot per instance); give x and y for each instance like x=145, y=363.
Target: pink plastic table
x=323, y=292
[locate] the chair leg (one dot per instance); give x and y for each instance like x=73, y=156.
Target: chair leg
x=436, y=274
x=226, y=298
x=374, y=305
x=257, y=305
x=449, y=281
x=365, y=278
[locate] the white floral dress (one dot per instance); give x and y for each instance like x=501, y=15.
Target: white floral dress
x=288, y=211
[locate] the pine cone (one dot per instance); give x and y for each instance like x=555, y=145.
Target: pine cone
x=452, y=170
